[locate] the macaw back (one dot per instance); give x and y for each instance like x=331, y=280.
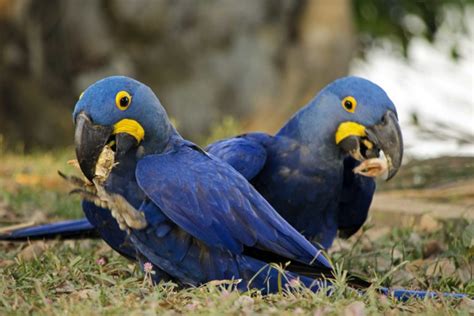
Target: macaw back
x=314, y=191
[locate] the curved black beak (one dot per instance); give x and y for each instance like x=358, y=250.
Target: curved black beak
x=89, y=140
x=387, y=137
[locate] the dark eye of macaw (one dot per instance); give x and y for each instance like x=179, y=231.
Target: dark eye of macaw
x=123, y=100
x=349, y=104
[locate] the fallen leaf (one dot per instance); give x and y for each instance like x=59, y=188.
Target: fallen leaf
x=84, y=294
x=468, y=305
x=65, y=288
x=468, y=236
x=376, y=233
x=32, y=251
x=466, y=272
x=6, y=263
x=355, y=309
x=444, y=267
x=428, y=224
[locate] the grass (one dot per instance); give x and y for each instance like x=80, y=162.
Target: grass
x=86, y=277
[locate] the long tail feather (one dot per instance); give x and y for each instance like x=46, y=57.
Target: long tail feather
x=404, y=294
x=71, y=229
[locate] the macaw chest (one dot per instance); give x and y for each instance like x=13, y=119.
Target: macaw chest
x=298, y=190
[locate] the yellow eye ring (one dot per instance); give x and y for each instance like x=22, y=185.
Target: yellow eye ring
x=123, y=100
x=349, y=104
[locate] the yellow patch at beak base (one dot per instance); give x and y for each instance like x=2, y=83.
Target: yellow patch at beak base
x=130, y=127
x=347, y=129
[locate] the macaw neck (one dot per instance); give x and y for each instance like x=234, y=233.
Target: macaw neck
x=310, y=130
x=161, y=143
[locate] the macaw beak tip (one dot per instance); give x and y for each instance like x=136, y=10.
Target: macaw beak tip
x=387, y=136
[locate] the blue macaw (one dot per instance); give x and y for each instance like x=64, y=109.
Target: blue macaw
x=198, y=218
x=305, y=171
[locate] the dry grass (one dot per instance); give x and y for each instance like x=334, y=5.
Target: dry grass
x=86, y=277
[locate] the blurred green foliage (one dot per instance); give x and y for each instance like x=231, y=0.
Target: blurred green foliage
x=401, y=20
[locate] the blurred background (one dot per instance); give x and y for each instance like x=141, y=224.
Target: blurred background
x=235, y=66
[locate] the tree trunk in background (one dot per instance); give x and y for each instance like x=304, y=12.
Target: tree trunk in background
x=322, y=51
x=256, y=60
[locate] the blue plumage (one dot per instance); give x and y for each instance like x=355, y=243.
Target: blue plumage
x=203, y=219
x=67, y=229
x=311, y=192
x=301, y=170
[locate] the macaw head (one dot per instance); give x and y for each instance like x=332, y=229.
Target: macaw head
x=122, y=113
x=359, y=119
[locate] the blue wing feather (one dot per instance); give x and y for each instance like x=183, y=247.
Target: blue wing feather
x=245, y=155
x=180, y=183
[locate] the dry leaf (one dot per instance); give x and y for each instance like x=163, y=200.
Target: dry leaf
x=84, y=294
x=32, y=251
x=444, y=267
x=355, y=309
x=466, y=272
x=65, y=288
x=6, y=263
x=428, y=224
x=468, y=305
x=377, y=233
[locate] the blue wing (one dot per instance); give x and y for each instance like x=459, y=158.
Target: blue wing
x=247, y=156
x=215, y=204
x=356, y=198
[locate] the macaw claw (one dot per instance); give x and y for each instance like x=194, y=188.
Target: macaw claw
x=126, y=215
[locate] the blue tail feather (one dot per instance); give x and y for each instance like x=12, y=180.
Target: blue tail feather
x=404, y=294
x=69, y=229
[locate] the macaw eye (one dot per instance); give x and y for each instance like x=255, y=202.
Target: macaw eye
x=349, y=104
x=123, y=100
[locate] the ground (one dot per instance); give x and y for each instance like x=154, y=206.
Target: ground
x=420, y=235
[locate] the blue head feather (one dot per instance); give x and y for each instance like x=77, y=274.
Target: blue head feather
x=98, y=101
x=317, y=122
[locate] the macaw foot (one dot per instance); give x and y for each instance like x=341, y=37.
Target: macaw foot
x=373, y=167
x=84, y=188
x=124, y=213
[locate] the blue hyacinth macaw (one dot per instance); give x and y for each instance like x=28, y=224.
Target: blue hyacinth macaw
x=187, y=212
x=305, y=171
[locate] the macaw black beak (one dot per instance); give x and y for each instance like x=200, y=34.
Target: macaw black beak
x=387, y=137
x=90, y=139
